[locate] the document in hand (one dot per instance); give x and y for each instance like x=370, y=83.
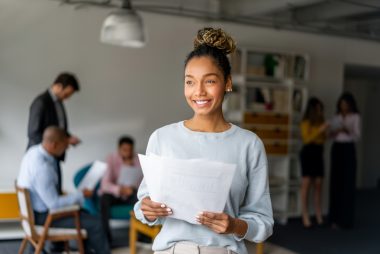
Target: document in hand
x=130, y=176
x=188, y=186
x=335, y=124
x=93, y=175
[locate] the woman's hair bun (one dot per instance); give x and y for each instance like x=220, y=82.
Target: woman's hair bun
x=216, y=38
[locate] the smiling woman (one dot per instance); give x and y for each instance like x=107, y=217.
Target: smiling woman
x=205, y=87
x=208, y=77
x=207, y=135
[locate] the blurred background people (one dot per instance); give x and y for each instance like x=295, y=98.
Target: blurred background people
x=47, y=109
x=345, y=131
x=120, y=182
x=38, y=174
x=313, y=130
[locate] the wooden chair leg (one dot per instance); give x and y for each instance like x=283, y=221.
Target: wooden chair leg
x=67, y=248
x=80, y=245
x=41, y=241
x=22, y=246
x=80, y=238
x=132, y=237
x=39, y=247
x=260, y=248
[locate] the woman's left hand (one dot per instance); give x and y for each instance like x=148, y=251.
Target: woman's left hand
x=222, y=223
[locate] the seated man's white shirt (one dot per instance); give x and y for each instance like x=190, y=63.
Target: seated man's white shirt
x=38, y=174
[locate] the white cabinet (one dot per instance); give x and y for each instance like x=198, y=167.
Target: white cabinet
x=268, y=98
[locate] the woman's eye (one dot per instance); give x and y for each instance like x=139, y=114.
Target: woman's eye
x=210, y=81
x=188, y=82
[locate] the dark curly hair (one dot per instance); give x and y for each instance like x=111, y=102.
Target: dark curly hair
x=214, y=43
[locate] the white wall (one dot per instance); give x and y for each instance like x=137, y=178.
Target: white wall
x=130, y=91
x=367, y=94
x=361, y=90
x=372, y=162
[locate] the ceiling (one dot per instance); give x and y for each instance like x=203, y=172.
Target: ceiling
x=349, y=18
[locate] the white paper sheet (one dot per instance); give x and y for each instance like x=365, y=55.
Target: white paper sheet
x=93, y=175
x=188, y=186
x=130, y=176
x=335, y=124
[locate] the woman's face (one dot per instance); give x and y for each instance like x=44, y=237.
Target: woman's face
x=344, y=107
x=319, y=109
x=205, y=86
x=126, y=151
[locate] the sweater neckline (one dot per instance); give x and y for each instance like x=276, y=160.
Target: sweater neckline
x=222, y=134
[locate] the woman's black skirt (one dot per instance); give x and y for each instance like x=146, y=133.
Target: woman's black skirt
x=312, y=163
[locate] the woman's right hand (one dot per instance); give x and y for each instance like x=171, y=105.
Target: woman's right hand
x=153, y=210
x=324, y=127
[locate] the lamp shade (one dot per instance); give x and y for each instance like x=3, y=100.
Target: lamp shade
x=123, y=28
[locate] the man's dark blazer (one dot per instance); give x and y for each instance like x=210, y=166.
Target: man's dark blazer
x=42, y=114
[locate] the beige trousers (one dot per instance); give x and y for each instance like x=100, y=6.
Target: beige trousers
x=192, y=248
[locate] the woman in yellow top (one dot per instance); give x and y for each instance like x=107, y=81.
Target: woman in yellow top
x=313, y=130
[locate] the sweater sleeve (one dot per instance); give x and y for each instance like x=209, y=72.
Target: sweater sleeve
x=256, y=209
x=152, y=148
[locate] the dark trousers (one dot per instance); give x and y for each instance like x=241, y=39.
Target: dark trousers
x=108, y=200
x=96, y=241
x=342, y=184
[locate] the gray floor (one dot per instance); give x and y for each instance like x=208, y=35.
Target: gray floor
x=364, y=238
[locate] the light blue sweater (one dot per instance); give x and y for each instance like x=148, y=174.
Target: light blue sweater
x=248, y=199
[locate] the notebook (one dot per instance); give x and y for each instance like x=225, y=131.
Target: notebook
x=93, y=175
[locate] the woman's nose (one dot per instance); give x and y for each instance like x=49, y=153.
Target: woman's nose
x=200, y=89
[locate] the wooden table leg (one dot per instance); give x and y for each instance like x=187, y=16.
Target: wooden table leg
x=260, y=248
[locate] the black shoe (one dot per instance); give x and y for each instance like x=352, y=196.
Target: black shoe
x=56, y=248
x=335, y=226
x=308, y=227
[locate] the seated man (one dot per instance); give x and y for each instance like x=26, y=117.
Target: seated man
x=121, y=180
x=39, y=175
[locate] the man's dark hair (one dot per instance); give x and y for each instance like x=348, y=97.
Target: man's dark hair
x=54, y=134
x=126, y=140
x=67, y=79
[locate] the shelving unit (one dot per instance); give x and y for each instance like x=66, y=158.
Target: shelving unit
x=268, y=98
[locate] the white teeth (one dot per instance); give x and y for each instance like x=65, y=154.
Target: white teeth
x=200, y=102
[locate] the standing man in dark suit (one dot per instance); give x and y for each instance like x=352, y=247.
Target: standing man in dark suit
x=47, y=109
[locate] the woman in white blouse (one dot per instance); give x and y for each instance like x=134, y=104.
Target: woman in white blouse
x=345, y=130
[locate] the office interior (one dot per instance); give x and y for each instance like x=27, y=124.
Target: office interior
x=126, y=90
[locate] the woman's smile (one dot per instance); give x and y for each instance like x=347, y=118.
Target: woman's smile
x=202, y=103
